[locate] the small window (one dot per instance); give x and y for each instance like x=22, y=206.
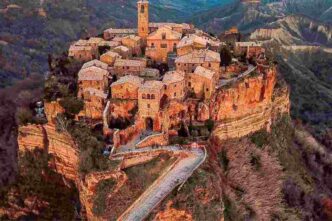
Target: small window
x=209, y=65
x=207, y=89
x=152, y=45
x=163, y=45
x=153, y=96
x=142, y=8
x=144, y=96
x=175, y=94
x=174, y=85
x=163, y=36
x=149, y=97
x=189, y=84
x=149, y=106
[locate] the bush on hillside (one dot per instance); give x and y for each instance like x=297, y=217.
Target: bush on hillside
x=72, y=105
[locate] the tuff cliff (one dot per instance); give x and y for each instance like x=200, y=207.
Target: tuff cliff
x=249, y=105
x=62, y=148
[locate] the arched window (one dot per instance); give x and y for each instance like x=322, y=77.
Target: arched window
x=153, y=96
x=163, y=36
x=149, y=97
x=142, y=8
x=144, y=96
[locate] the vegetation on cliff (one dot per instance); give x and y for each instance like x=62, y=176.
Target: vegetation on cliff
x=37, y=192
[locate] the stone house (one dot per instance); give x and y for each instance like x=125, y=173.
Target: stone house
x=181, y=28
x=94, y=42
x=150, y=74
x=126, y=87
x=94, y=103
x=193, y=42
x=124, y=67
x=134, y=43
x=110, y=33
x=205, y=58
x=162, y=42
x=110, y=57
x=150, y=101
x=95, y=63
x=123, y=51
x=92, y=77
x=81, y=51
x=174, y=84
x=202, y=82
x=251, y=49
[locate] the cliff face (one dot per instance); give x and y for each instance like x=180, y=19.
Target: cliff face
x=64, y=152
x=52, y=109
x=248, y=106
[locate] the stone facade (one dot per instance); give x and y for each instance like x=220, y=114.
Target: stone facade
x=134, y=43
x=126, y=87
x=81, y=51
x=92, y=77
x=162, y=42
x=202, y=82
x=124, y=67
x=175, y=84
x=94, y=104
x=251, y=49
x=110, y=57
x=205, y=58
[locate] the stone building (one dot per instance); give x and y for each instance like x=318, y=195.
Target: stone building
x=111, y=33
x=231, y=36
x=110, y=57
x=143, y=18
x=124, y=67
x=251, y=49
x=94, y=42
x=202, y=82
x=94, y=103
x=162, y=42
x=205, y=58
x=150, y=74
x=95, y=63
x=123, y=51
x=109, y=44
x=174, y=82
x=181, y=28
x=81, y=51
x=126, y=87
x=150, y=101
x=92, y=77
x=134, y=43
x=193, y=42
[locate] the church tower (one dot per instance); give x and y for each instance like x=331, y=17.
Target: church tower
x=143, y=18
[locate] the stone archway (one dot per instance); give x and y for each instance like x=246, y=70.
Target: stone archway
x=149, y=123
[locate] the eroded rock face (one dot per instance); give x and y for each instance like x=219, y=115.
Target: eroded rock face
x=173, y=214
x=248, y=106
x=65, y=154
x=52, y=109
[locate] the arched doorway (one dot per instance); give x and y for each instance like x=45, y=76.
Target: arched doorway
x=149, y=123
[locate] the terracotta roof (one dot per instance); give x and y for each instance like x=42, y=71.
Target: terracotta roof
x=127, y=62
x=92, y=73
x=247, y=44
x=152, y=85
x=130, y=79
x=170, y=24
x=199, y=56
x=122, y=48
x=95, y=40
x=95, y=92
x=170, y=34
x=111, y=44
x=204, y=72
x=95, y=63
x=112, y=54
x=173, y=76
x=121, y=30
x=133, y=37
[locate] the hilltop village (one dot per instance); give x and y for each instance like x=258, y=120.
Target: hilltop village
x=142, y=93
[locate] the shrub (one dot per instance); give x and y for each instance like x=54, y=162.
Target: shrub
x=260, y=138
x=255, y=161
x=209, y=124
x=72, y=105
x=103, y=189
x=24, y=116
x=223, y=159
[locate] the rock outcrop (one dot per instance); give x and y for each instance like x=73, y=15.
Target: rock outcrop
x=52, y=109
x=62, y=148
x=249, y=105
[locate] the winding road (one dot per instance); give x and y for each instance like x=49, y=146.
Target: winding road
x=176, y=174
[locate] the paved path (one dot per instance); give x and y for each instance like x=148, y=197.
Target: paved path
x=172, y=177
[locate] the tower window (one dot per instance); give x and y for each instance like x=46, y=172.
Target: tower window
x=142, y=8
x=163, y=36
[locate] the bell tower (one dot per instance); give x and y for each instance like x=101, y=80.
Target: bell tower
x=143, y=18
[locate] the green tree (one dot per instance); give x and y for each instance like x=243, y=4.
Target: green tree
x=72, y=105
x=225, y=56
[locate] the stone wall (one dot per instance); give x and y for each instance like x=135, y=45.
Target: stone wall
x=160, y=139
x=65, y=154
x=121, y=137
